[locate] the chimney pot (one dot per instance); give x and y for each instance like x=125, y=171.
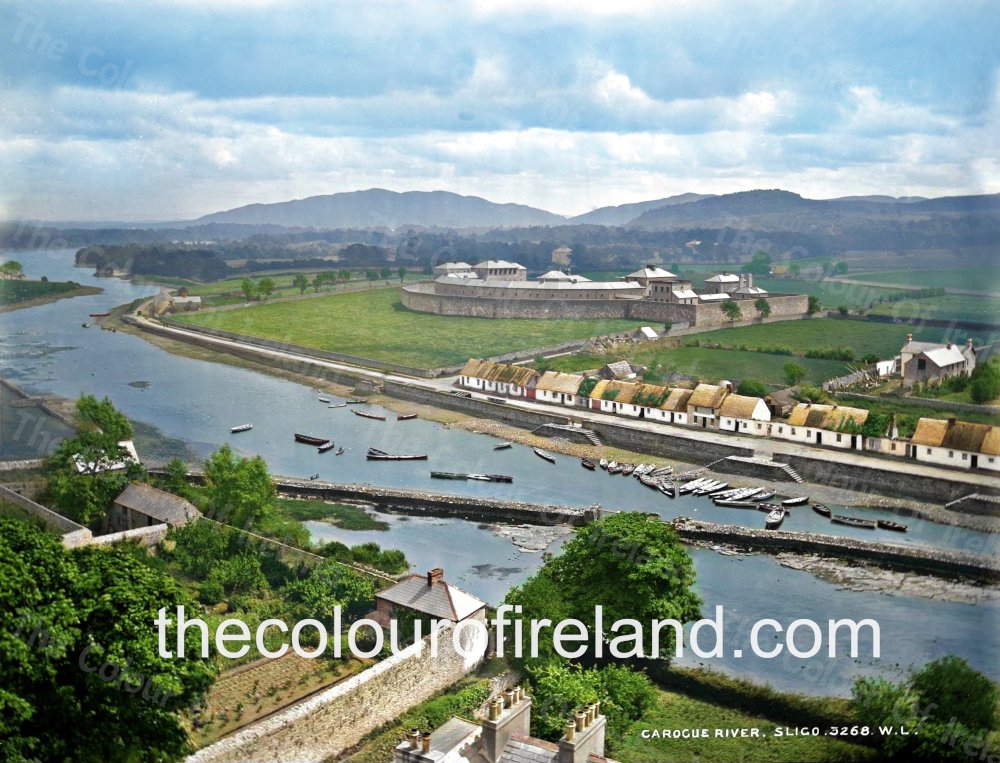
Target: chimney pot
x=969, y=342
x=425, y=744
x=508, y=698
x=435, y=575
x=581, y=721
x=597, y=710
x=909, y=337
x=413, y=737
x=570, y=730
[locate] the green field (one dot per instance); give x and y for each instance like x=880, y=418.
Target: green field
x=973, y=279
x=13, y=292
x=954, y=307
x=831, y=294
x=374, y=324
x=711, y=365
x=677, y=711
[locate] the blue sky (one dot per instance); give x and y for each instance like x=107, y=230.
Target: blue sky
x=175, y=108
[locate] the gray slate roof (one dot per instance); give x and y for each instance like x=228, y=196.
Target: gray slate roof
x=522, y=750
x=441, y=600
x=162, y=506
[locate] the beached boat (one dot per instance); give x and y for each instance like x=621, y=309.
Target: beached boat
x=603, y=463
x=324, y=399
x=737, y=504
x=627, y=469
x=310, y=440
x=774, y=518
x=337, y=405
x=241, y=428
x=356, y=402
x=503, y=446
x=767, y=507
x=366, y=415
x=374, y=454
x=449, y=476
x=99, y=315
x=649, y=481
x=614, y=468
x=406, y=416
x=329, y=445
x=823, y=511
x=544, y=454
x=797, y=501
x=314, y=476
x=888, y=524
x=840, y=519
x=586, y=463
x=766, y=495
x=667, y=488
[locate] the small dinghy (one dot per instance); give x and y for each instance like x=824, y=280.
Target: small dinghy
x=667, y=488
x=614, y=468
x=603, y=463
x=310, y=440
x=329, y=445
x=767, y=507
x=503, y=446
x=823, y=511
x=324, y=399
x=774, y=518
x=374, y=454
x=337, y=405
x=406, y=417
x=545, y=455
x=340, y=451
x=366, y=415
x=586, y=463
x=841, y=519
x=241, y=428
x=767, y=495
x=797, y=501
x=627, y=469
x=888, y=524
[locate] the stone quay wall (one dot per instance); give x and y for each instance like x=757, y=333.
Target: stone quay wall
x=320, y=727
x=936, y=561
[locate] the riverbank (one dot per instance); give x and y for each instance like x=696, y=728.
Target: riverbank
x=54, y=296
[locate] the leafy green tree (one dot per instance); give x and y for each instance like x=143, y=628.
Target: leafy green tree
x=760, y=264
x=249, y=288
x=840, y=269
x=401, y=272
x=752, y=388
x=814, y=306
x=386, y=272
x=878, y=702
x=795, y=270
x=77, y=643
x=265, y=287
x=632, y=565
x=300, y=282
x=794, y=373
x=371, y=274
x=811, y=395
x=198, y=547
x=241, y=573
x=328, y=585
x=238, y=490
x=346, y=275
x=984, y=384
x=763, y=307
x=317, y=281
x=102, y=415
x=958, y=692
x=12, y=268
x=731, y=309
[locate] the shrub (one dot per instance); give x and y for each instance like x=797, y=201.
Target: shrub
x=752, y=388
x=211, y=592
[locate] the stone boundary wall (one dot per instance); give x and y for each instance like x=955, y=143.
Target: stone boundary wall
x=863, y=478
x=926, y=402
x=144, y=536
x=917, y=558
x=56, y=522
x=958, y=326
x=333, y=720
x=24, y=463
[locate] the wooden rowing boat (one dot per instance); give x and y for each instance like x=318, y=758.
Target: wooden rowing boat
x=603, y=463
x=823, y=511
x=797, y=501
x=586, y=463
x=366, y=415
x=374, y=454
x=545, y=455
x=310, y=440
x=774, y=518
x=328, y=445
x=241, y=428
x=449, y=476
x=503, y=446
x=627, y=469
x=840, y=519
x=324, y=399
x=99, y=315
x=340, y=451
x=406, y=416
x=337, y=405
x=888, y=524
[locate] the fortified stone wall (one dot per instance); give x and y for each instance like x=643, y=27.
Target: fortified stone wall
x=319, y=728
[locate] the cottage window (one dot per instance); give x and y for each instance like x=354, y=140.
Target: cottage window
x=951, y=454
x=928, y=451
x=965, y=456
x=793, y=430
x=781, y=430
x=921, y=364
x=838, y=438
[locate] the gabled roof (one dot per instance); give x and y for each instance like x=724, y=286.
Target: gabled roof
x=620, y=369
x=522, y=376
x=713, y=297
x=677, y=400
x=499, y=264
x=739, y=406
x=557, y=381
x=651, y=271
x=453, y=266
x=708, y=396
x=648, y=395
x=945, y=356
x=915, y=347
x=158, y=504
x=554, y=275
x=820, y=416
x=441, y=600
x=958, y=435
x=684, y=294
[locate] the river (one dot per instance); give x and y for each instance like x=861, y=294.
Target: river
x=46, y=349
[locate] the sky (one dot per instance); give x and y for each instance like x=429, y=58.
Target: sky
x=171, y=109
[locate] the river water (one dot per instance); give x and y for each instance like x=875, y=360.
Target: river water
x=46, y=349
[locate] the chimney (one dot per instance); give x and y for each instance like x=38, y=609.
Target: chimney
x=435, y=575
x=425, y=744
x=909, y=337
x=504, y=721
x=749, y=280
x=969, y=343
x=583, y=736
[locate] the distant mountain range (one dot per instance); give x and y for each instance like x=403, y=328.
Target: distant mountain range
x=378, y=208
x=759, y=210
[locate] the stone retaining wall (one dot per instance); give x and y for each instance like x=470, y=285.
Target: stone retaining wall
x=320, y=727
x=935, y=561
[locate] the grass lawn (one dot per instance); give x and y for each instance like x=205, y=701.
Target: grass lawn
x=973, y=279
x=888, y=405
x=677, y=711
x=374, y=324
x=863, y=337
x=831, y=294
x=955, y=307
x=346, y=516
x=13, y=292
